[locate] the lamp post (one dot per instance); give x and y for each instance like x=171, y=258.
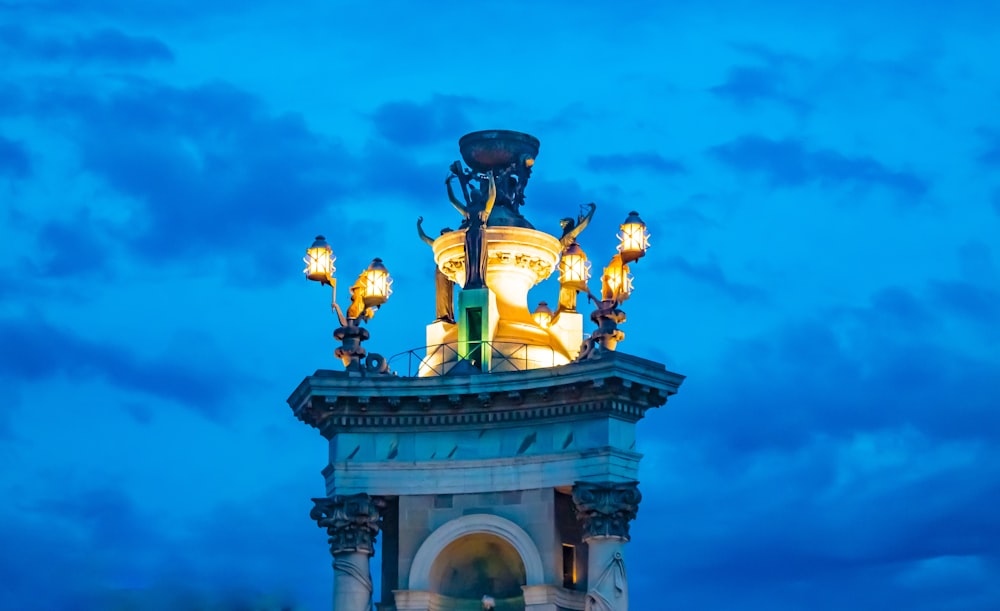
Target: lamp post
x=616, y=287
x=369, y=292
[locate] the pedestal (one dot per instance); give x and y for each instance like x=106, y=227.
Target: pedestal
x=568, y=329
x=477, y=322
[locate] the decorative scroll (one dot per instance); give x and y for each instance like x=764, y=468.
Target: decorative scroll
x=613, y=576
x=344, y=567
x=605, y=509
x=352, y=521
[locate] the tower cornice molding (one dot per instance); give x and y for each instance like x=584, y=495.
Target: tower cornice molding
x=618, y=385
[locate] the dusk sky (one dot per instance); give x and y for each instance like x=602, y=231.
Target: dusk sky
x=821, y=185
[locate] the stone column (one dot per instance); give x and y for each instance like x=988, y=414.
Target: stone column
x=605, y=510
x=353, y=522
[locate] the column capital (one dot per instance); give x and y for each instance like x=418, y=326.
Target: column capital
x=352, y=521
x=605, y=509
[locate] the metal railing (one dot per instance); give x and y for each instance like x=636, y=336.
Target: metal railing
x=463, y=358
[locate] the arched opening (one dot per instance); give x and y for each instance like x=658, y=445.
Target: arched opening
x=475, y=565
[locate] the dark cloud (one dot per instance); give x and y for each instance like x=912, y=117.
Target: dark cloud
x=747, y=85
x=411, y=124
x=211, y=170
x=151, y=11
x=72, y=248
x=822, y=546
x=31, y=349
x=616, y=163
x=103, y=46
x=789, y=163
x=14, y=160
x=11, y=99
x=991, y=156
x=861, y=457
x=966, y=299
x=711, y=274
x=109, y=553
x=853, y=370
x=767, y=80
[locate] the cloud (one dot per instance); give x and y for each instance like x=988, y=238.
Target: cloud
x=153, y=12
x=711, y=274
x=617, y=163
x=964, y=298
x=991, y=156
x=765, y=81
x=110, y=553
x=860, y=454
x=748, y=85
x=208, y=169
x=102, y=46
x=32, y=350
x=72, y=248
x=412, y=124
x=845, y=371
x=14, y=160
x=789, y=163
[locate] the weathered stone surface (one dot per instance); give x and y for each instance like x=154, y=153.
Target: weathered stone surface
x=352, y=521
x=618, y=384
x=605, y=509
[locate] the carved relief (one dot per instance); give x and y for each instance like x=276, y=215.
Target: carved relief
x=613, y=580
x=542, y=268
x=455, y=267
x=606, y=509
x=352, y=521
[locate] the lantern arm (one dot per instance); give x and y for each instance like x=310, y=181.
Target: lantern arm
x=340, y=314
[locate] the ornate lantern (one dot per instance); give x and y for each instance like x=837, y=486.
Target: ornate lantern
x=616, y=283
x=319, y=261
x=634, y=239
x=574, y=268
x=542, y=315
x=377, y=284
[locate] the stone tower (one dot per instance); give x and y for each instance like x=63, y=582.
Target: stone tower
x=500, y=470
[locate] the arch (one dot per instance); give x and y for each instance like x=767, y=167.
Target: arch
x=479, y=523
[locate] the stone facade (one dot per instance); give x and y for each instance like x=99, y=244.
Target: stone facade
x=536, y=467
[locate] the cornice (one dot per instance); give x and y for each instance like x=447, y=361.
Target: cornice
x=618, y=385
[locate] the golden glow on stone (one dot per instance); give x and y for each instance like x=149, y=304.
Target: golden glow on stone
x=616, y=283
x=542, y=315
x=319, y=261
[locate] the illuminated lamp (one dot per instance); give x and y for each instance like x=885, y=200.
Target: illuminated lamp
x=633, y=238
x=376, y=283
x=542, y=315
x=319, y=261
x=574, y=269
x=617, y=281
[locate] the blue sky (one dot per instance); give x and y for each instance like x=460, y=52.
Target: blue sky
x=821, y=183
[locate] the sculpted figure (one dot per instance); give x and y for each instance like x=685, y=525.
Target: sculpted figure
x=476, y=211
x=572, y=229
x=444, y=288
x=357, y=307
